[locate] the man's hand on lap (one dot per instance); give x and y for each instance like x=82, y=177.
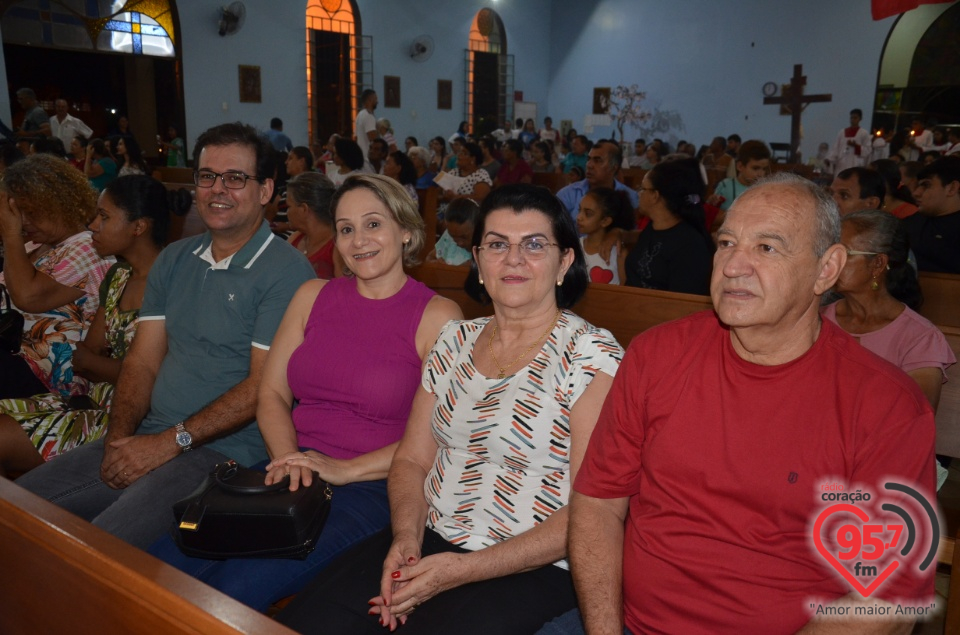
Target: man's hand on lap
x=126, y=460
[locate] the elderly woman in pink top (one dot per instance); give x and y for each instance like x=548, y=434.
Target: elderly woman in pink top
x=348, y=353
x=880, y=295
x=880, y=292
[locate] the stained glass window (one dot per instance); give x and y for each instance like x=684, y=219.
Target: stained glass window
x=138, y=27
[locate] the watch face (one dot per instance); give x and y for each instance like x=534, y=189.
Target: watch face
x=184, y=439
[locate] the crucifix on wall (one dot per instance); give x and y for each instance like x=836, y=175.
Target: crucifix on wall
x=795, y=101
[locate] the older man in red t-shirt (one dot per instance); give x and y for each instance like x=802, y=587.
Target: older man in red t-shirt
x=694, y=508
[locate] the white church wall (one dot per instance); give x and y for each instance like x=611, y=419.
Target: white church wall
x=708, y=60
x=394, y=25
x=273, y=38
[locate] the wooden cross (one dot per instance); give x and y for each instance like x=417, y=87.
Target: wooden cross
x=794, y=99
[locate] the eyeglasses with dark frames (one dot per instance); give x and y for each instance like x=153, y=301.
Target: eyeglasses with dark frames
x=231, y=179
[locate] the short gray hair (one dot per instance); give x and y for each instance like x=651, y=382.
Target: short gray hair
x=827, y=215
x=419, y=152
x=27, y=93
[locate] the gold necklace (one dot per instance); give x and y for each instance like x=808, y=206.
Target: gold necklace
x=503, y=369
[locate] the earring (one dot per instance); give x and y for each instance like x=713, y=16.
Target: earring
x=560, y=282
x=480, y=279
x=875, y=285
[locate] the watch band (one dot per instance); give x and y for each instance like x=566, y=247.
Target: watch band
x=183, y=438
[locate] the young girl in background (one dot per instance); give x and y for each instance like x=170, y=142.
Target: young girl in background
x=601, y=210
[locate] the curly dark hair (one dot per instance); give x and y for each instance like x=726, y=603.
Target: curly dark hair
x=50, y=188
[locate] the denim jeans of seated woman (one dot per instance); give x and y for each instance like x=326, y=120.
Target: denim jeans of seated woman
x=357, y=510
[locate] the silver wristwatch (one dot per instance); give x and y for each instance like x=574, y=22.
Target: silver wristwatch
x=184, y=440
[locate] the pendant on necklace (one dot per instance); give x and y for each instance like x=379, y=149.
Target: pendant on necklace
x=501, y=376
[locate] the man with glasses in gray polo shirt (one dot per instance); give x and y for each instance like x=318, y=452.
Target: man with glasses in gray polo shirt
x=187, y=393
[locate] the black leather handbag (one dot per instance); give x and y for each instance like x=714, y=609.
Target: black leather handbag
x=11, y=324
x=233, y=514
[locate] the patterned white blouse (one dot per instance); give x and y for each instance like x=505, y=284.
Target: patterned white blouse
x=502, y=465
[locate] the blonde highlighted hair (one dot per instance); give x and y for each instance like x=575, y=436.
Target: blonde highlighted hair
x=397, y=200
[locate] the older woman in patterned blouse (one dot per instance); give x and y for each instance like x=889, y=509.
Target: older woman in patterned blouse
x=479, y=484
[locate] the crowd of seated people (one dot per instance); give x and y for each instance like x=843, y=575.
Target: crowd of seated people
x=414, y=551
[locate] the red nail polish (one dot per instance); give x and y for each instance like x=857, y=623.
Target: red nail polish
x=371, y=603
x=411, y=559
x=381, y=621
x=395, y=575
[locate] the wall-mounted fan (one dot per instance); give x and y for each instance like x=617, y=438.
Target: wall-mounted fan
x=421, y=48
x=231, y=18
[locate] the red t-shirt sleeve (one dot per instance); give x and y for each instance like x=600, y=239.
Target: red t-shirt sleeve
x=611, y=466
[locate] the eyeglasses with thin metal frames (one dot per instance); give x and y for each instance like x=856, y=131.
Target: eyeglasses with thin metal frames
x=531, y=248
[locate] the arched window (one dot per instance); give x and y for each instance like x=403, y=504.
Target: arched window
x=488, y=86
x=137, y=27
x=919, y=74
x=107, y=58
x=339, y=66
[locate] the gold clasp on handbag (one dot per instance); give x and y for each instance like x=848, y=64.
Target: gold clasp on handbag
x=190, y=521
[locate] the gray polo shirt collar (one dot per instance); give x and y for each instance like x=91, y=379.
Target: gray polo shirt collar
x=244, y=258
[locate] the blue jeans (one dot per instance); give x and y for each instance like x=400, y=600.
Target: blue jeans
x=357, y=511
x=567, y=624
x=138, y=514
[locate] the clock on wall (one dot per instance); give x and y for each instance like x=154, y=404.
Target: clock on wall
x=769, y=89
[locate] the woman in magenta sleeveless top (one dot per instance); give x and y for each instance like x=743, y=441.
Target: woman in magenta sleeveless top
x=338, y=384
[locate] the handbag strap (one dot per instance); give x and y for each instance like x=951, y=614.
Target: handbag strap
x=6, y=297
x=230, y=476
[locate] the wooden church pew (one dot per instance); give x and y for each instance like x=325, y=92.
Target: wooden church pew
x=550, y=180
x=166, y=174
x=624, y=311
x=63, y=575
x=941, y=298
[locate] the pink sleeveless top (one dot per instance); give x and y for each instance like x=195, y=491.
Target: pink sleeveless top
x=357, y=369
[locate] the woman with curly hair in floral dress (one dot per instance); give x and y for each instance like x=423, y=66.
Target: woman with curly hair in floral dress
x=131, y=222
x=51, y=271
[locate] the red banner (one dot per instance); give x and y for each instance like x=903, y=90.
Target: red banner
x=885, y=8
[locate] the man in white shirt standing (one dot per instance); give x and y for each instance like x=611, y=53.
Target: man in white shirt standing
x=919, y=141
x=65, y=126
x=853, y=145
x=366, y=125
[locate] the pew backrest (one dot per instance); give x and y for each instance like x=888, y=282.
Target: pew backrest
x=948, y=412
x=941, y=298
x=550, y=180
x=173, y=175
x=624, y=311
x=428, y=200
x=63, y=575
